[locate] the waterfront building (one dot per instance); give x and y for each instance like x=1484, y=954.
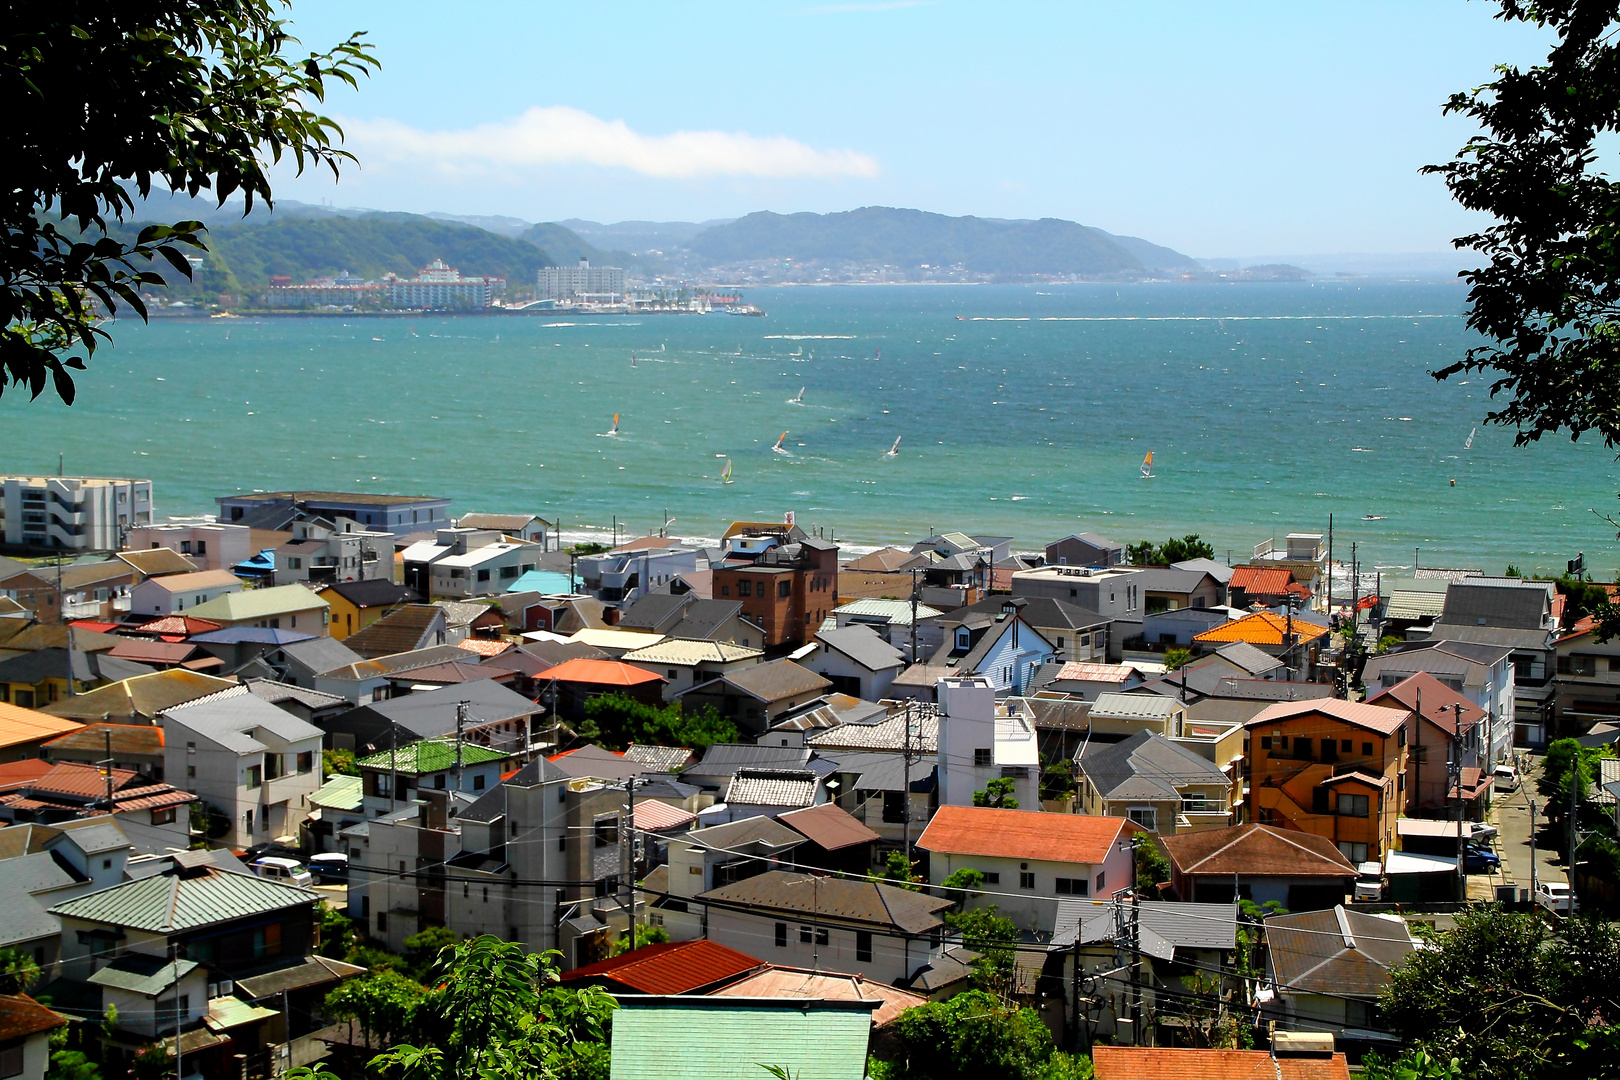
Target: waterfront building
x=73, y=513
x=210, y=545
x=582, y=283
x=398, y=514
x=439, y=287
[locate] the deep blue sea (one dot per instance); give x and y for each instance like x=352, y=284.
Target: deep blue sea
x=1022, y=411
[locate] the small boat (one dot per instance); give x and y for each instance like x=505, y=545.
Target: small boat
x=779, y=448
x=725, y=473
x=1147, y=466
x=1372, y=517
x=894, y=451
x=1469, y=445
x=797, y=399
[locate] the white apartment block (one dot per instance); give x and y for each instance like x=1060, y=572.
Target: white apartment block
x=74, y=513
x=582, y=282
x=212, y=546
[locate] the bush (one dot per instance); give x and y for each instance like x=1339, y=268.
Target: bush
x=973, y=1036
x=617, y=720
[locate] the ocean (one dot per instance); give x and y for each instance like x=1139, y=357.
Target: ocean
x=1022, y=411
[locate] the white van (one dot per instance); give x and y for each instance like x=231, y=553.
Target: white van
x=286, y=871
x=1369, y=882
x=1505, y=778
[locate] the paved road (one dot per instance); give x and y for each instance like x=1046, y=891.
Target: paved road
x=1512, y=813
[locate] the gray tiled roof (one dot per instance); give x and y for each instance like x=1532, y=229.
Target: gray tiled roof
x=142, y=974
x=175, y=902
x=230, y=717
x=319, y=654
x=863, y=645
x=1250, y=659
x=1147, y=766
x=776, y=680
x=835, y=899
x=1337, y=952
x=760, y=832
x=433, y=712
x=1506, y=637
x=723, y=759
x=887, y=734
x=772, y=787
x=1165, y=925
x=1503, y=602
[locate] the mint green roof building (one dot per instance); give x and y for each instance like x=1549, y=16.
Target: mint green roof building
x=731, y=1038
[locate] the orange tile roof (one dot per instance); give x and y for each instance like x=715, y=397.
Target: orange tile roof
x=1167, y=1063
x=1384, y=720
x=1261, y=580
x=1262, y=628
x=19, y=725
x=21, y=1016
x=673, y=967
x=184, y=625
x=483, y=646
x=773, y=981
x=655, y=816
x=600, y=673
x=22, y=773
x=1022, y=834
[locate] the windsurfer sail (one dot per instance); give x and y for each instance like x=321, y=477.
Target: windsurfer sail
x=614, y=430
x=1469, y=445
x=894, y=451
x=1147, y=466
x=779, y=448
x=797, y=399
x=725, y=473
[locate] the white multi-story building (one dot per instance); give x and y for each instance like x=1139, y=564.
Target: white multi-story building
x=211, y=545
x=76, y=513
x=604, y=284
x=981, y=739
x=439, y=286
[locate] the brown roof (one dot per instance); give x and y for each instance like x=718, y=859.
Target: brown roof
x=835, y=899
x=1179, y=1063
x=399, y=631
x=777, y=680
x=1383, y=720
x=83, y=575
x=78, y=778
x=19, y=726
x=21, y=1016
x=454, y=672
x=646, y=543
x=55, y=636
x=136, y=739
x=673, y=967
x=1255, y=851
x=148, y=651
x=141, y=695
x=1022, y=834
x=828, y=827
x=1338, y=952
x=773, y=981
x=1439, y=702
x=159, y=560
x=887, y=560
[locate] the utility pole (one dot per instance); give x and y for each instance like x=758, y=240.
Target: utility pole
x=905, y=794
x=461, y=725
x=107, y=764
x=1534, y=885
x=914, y=614
x=1136, y=952
x=627, y=862
x=174, y=956
x=1330, y=567
x=1454, y=777
x=393, y=766
x=1575, y=785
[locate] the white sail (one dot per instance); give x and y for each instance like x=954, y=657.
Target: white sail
x=1469, y=445
x=894, y=451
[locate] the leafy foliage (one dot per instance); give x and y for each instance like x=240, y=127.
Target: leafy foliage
x=617, y=720
x=495, y=1011
x=380, y=1002
x=997, y=793
x=898, y=871
x=1057, y=780
x=1507, y=996
x=72, y=1065
x=963, y=884
x=1176, y=657
x=338, y=763
x=112, y=100
x=1152, y=868
x=975, y=1036
x=992, y=936
x=1568, y=761
x=645, y=935
x=1173, y=550
x=338, y=933
x=18, y=972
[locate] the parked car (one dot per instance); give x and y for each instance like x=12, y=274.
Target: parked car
x=1478, y=860
x=330, y=866
x=1505, y=778
x=1556, y=897
x=286, y=871
x=1369, y=881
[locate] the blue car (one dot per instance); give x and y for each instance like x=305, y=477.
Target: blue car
x=1478, y=860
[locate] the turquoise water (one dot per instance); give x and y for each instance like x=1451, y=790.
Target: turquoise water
x=1267, y=407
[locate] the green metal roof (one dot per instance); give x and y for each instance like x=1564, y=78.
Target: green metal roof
x=730, y=1038
x=339, y=793
x=171, y=903
x=258, y=604
x=142, y=974
x=431, y=756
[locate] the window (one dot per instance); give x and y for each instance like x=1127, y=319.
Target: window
x=983, y=757
x=1265, y=742
x=247, y=822
x=253, y=781
x=1356, y=853
x=863, y=946
x=1026, y=880
x=745, y=588
x=483, y=575
x=1015, y=772
x=486, y=894
x=306, y=761
x=1302, y=749
x=992, y=879
x=1353, y=806
x=202, y=547
x=964, y=638
x=805, y=934
x=784, y=589
x=725, y=590
x=1344, y=746
x=164, y=816
x=478, y=782
x=562, y=842
x=1358, y=1014
x=1366, y=749
x=1100, y=879
x=1073, y=886
x=607, y=831
x=781, y=935
x=1145, y=816
x=382, y=922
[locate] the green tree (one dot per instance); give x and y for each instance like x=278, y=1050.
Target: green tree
x=1512, y=571
x=994, y=937
x=380, y=1002
x=963, y=885
x=1057, y=780
x=423, y=948
x=117, y=100
x=1152, y=868
x=898, y=870
x=645, y=935
x=973, y=1036
x=1544, y=302
x=997, y=793
x=1510, y=997
x=338, y=933
x=18, y=972
x=1567, y=762
x=338, y=763
x=72, y=1065
x=617, y=720
x=1173, y=550
x=1177, y=657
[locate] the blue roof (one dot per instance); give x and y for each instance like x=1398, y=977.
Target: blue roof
x=542, y=581
x=264, y=560
x=235, y=635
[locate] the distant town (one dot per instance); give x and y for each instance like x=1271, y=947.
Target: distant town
x=756, y=766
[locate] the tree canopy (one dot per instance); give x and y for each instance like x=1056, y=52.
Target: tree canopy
x=617, y=720
x=1173, y=550
x=111, y=101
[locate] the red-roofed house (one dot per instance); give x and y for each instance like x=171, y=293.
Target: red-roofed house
x=1037, y=858
x=671, y=967
x=1447, y=718
x=1263, y=585
x=25, y=1037
x=1186, y=1063
x=1334, y=768
x=578, y=680
x=1588, y=682
x=155, y=816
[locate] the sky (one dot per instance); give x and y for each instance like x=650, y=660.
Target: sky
x=1221, y=130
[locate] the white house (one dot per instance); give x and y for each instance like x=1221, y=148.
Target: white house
x=173, y=594
x=211, y=545
x=25, y=1037
x=251, y=762
x=1030, y=860
x=1484, y=674
x=857, y=661
x=461, y=563
x=1002, y=647
x=981, y=739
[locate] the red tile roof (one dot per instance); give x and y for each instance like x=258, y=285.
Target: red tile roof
x=600, y=673
x=1022, y=834
x=1385, y=720
x=182, y=625
x=675, y=967
x=21, y=774
x=828, y=827
x=21, y=1016
x=655, y=816
x=77, y=778
x=98, y=625
x=483, y=646
x=1261, y=580
x=1166, y=1063
x=1262, y=628
x=1438, y=701
x=1255, y=851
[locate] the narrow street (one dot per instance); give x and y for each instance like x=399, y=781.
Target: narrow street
x=1512, y=813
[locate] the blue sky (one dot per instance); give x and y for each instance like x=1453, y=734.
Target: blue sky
x=1217, y=129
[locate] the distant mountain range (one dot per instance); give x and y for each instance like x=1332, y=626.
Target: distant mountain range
x=914, y=238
